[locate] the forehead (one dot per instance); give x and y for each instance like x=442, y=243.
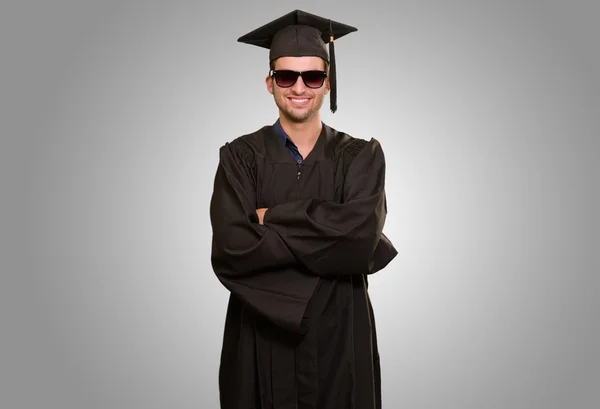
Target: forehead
x=299, y=63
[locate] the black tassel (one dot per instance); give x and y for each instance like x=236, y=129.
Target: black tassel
x=332, y=79
x=332, y=73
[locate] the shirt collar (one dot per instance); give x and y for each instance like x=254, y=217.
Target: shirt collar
x=284, y=137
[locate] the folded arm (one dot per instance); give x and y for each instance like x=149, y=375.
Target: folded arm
x=340, y=238
x=251, y=260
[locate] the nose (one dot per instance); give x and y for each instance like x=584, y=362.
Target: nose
x=299, y=87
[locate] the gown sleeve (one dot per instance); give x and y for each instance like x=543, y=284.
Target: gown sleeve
x=251, y=260
x=341, y=238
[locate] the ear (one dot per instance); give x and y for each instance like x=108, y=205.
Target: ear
x=269, y=83
x=327, y=85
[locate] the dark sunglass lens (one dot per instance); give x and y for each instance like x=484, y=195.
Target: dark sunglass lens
x=285, y=78
x=313, y=79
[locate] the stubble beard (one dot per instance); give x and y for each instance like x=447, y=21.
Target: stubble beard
x=299, y=115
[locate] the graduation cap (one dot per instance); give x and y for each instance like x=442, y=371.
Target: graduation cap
x=300, y=34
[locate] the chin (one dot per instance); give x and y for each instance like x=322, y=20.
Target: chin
x=300, y=117
x=298, y=114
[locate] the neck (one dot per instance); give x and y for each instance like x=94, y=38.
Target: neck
x=303, y=134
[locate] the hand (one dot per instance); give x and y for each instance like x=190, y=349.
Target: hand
x=261, y=214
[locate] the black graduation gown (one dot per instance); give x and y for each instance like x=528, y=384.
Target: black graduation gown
x=299, y=331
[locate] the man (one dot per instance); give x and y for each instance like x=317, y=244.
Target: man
x=297, y=213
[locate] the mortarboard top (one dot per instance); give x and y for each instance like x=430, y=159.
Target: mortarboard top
x=300, y=34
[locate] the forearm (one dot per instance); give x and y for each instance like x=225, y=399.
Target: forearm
x=330, y=238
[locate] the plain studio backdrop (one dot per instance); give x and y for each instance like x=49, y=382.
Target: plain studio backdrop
x=112, y=116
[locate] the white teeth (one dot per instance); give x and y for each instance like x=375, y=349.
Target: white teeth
x=299, y=100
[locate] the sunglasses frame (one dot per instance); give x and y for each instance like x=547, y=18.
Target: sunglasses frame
x=298, y=75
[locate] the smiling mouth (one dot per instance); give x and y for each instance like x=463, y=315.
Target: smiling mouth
x=299, y=101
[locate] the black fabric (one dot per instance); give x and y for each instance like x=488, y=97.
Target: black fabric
x=332, y=79
x=297, y=34
x=299, y=331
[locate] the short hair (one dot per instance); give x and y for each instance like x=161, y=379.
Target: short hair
x=272, y=65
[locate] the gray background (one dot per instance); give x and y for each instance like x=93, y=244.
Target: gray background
x=112, y=116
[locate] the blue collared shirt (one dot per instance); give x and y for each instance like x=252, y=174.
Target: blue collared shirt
x=288, y=143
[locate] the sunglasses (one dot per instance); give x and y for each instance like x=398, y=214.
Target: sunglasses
x=287, y=78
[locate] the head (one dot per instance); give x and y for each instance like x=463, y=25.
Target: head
x=299, y=111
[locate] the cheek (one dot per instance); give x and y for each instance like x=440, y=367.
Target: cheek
x=280, y=94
